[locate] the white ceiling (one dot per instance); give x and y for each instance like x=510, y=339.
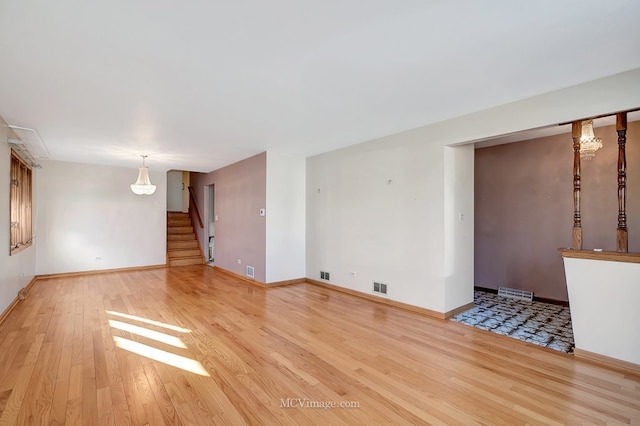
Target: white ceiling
x=200, y=84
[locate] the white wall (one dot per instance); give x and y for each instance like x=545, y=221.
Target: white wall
x=88, y=212
x=604, y=296
x=458, y=226
x=285, y=217
x=185, y=192
x=395, y=233
x=174, y=191
x=15, y=271
x=370, y=210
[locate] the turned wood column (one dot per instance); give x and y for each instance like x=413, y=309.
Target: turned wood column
x=622, y=235
x=576, y=132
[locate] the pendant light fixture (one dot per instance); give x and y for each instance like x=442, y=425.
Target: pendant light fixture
x=143, y=185
x=589, y=144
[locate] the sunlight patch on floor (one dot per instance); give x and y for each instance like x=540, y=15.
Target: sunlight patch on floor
x=150, y=334
x=159, y=355
x=151, y=322
x=178, y=361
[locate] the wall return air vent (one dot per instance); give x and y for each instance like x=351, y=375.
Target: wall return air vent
x=251, y=272
x=379, y=287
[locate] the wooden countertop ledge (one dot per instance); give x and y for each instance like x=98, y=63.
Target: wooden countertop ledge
x=601, y=255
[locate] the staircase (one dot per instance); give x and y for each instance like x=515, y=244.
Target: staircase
x=182, y=244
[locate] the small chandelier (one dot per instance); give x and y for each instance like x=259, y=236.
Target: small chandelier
x=589, y=144
x=143, y=185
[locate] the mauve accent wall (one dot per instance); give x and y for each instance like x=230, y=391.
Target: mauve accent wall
x=524, y=208
x=240, y=231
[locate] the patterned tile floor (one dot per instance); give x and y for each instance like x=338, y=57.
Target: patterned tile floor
x=539, y=323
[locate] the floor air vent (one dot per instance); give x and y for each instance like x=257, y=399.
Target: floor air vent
x=514, y=293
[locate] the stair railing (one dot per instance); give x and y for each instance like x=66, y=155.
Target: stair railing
x=193, y=202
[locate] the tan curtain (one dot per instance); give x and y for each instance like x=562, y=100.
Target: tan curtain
x=25, y=219
x=21, y=203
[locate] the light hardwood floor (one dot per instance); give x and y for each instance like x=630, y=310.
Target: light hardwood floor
x=85, y=350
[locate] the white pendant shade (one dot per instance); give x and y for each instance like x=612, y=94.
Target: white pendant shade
x=143, y=185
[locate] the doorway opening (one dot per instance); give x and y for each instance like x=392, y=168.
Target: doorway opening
x=177, y=191
x=517, y=208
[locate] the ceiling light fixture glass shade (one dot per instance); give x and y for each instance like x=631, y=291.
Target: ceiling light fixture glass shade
x=589, y=144
x=143, y=185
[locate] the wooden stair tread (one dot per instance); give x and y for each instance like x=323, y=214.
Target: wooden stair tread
x=182, y=245
x=179, y=229
x=178, y=253
x=183, y=261
x=177, y=214
x=181, y=237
